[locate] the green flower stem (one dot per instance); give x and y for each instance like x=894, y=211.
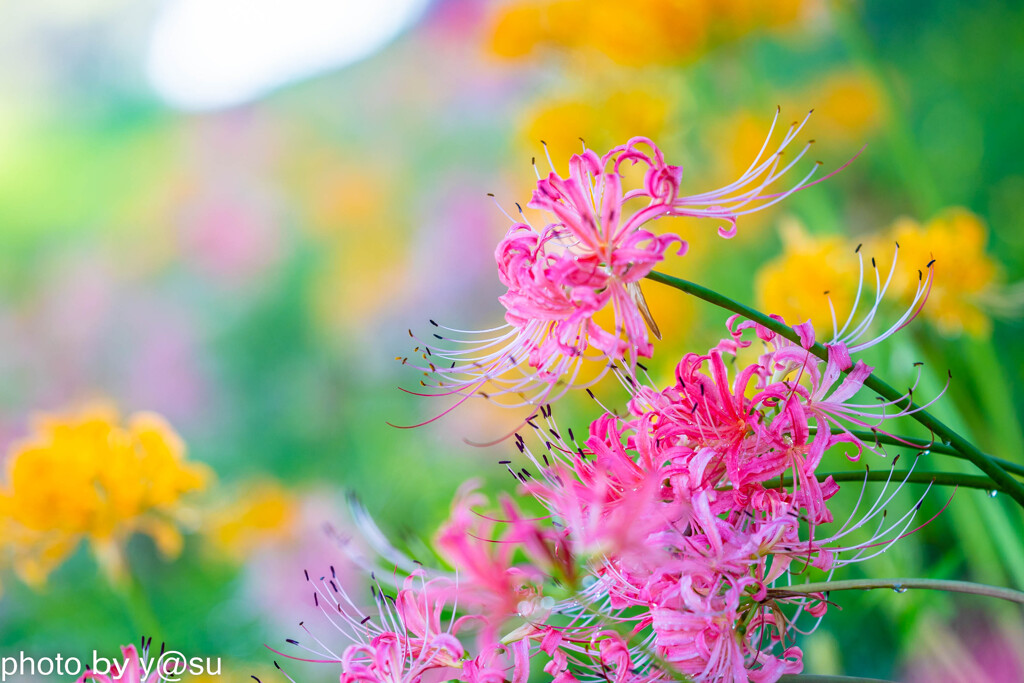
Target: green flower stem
x=1007, y=483
x=900, y=585
x=812, y=678
x=931, y=447
x=938, y=478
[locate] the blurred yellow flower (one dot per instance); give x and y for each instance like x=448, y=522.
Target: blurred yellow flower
x=264, y=513
x=634, y=33
x=848, y=106
x=361, y=240
x=964, y=274
x=739, y=138
x=83, y=475
x=362, y=277
x=602, y=122
x=794, y=284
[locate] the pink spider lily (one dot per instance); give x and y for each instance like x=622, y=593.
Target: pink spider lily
x=684, y=540
x=493, y=664
x=409, y=640
x=595, y=654
x=607, y=497
x=720, y=525
x=698, y=632
x=673, y=538
x=490, y=581
x=504, y=594
x=827, y=404
x=590, y=256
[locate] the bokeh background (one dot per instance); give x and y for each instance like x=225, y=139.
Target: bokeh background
x=230, y=215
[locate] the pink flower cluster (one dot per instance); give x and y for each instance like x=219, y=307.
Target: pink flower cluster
x=589, y=257
x=671, y=541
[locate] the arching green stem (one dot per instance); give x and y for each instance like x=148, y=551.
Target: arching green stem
x=900, y=585
x=940, y=478
x=932, y=447
x=812, y=678
x=983, y=462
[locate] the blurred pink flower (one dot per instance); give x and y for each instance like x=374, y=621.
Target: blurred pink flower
x=274, y=570
x=234, y=236
x=973, y=649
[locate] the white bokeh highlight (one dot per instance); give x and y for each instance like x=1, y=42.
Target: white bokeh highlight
x=211, y=54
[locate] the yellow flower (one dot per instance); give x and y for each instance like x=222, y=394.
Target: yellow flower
x=360, y=278
x=964, y=274
x=85, y=476
x=848, y=105
x=794, y=283
x=740, y=137
x=603, y=121
x=634, y=33
x=361, y=241
x=265, y=513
